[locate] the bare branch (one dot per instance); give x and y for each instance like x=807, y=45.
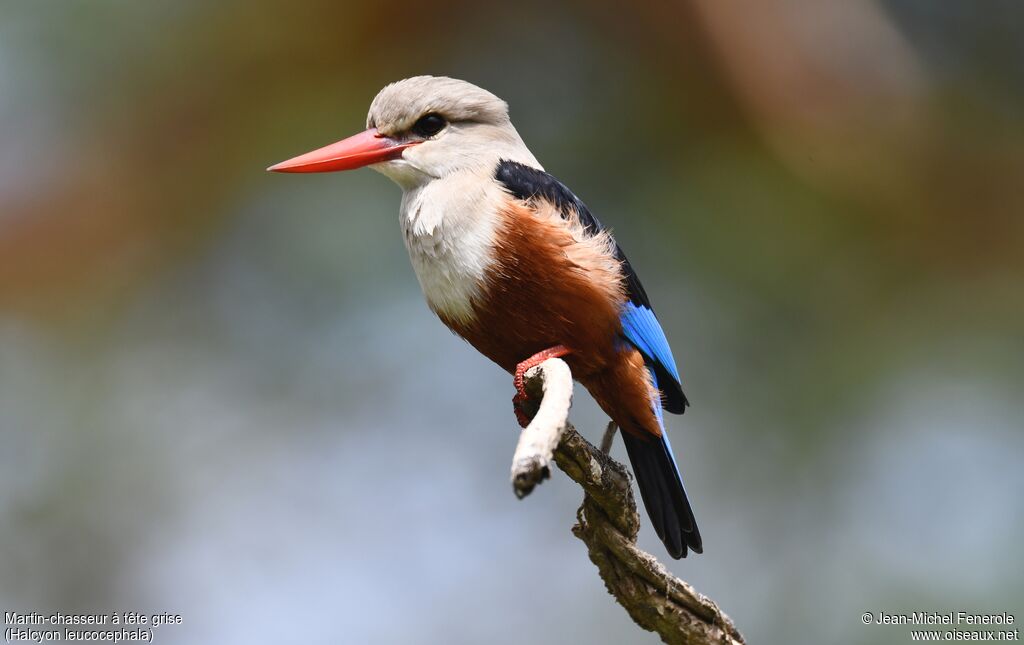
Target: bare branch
x=537, y=443
x=608, y=522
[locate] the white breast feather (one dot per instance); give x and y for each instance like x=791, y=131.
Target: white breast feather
x=449, y=227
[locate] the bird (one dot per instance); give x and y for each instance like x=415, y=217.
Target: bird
x=515, y=263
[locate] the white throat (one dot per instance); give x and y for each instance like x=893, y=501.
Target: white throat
x=449, y=226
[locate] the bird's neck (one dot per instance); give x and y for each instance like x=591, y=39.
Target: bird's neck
x=449, y=228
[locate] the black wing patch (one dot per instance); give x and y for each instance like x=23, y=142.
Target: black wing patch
x=529, y=184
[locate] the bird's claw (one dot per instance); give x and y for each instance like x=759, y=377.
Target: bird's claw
x=518, y=402
x=522, y=396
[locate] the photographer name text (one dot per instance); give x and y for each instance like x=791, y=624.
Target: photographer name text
x=939, y=618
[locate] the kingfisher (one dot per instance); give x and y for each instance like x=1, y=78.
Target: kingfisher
x=516, y=264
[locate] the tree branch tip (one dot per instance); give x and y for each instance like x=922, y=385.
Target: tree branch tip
x=528, y=474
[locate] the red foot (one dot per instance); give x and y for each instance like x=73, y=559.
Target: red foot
x=521, y=397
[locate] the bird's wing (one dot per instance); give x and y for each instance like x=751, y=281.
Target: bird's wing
x=639, y=324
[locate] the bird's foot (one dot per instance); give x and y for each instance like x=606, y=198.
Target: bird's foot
x=522, y=396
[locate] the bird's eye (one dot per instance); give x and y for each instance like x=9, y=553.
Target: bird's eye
x=429, y=124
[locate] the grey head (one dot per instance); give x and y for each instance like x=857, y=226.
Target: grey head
x=455, y=125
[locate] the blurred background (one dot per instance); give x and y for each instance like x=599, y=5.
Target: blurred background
x=222, y=395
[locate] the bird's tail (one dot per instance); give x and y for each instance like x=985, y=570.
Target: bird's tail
x=661, y=488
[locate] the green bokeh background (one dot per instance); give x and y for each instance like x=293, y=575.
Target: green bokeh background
x=221, y=394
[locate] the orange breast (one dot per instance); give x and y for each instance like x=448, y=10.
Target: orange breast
x=552, y=285
x=545, y=288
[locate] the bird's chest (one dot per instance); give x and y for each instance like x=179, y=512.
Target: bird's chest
x=451, y=247
x=542, y=286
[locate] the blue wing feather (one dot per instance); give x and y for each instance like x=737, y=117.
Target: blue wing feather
x=642, y=329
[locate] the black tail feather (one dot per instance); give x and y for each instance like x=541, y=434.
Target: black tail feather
x=661, y=489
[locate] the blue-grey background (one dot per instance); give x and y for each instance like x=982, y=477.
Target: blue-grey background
x=221, y=394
